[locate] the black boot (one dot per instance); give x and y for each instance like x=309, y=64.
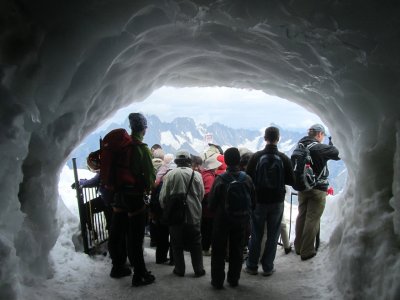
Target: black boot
x=145, y=279
x=120, y=271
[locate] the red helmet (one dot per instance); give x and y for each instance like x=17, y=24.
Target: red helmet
x=93, y=161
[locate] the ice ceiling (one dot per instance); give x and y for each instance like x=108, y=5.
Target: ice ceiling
x=67, y=65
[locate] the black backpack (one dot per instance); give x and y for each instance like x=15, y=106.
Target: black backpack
x=305, y=178
x=237, y=196
x=270, y=173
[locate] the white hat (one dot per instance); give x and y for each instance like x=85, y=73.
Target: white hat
x=182, y=155
x=211, y=163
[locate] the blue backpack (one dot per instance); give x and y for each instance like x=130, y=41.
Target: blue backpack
x=270, y=173
x=238, y=195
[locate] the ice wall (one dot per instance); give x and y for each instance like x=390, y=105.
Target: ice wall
x=67, y=65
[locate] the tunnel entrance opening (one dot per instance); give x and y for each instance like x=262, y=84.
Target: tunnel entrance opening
x=231, y=117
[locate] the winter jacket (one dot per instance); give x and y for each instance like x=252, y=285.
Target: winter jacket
x=208, y=180
x=176, y=181
x=320, y=154
x=94, y=182
x=222, y=168
x=216, y=197
x=271, y=196
x=142, y=165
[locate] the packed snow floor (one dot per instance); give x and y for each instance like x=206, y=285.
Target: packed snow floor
x=79, y=276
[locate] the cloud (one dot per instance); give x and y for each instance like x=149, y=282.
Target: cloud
x=237, y=108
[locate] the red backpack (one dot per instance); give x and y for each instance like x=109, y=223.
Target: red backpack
x=115, y=153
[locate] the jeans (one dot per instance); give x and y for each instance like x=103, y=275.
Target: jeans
x=270, y=213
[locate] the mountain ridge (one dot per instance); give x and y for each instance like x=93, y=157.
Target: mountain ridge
x=183, y=132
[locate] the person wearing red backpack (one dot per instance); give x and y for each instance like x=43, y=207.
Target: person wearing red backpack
x=130, y=175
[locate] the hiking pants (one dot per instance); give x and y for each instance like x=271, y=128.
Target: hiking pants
x=311, y=207
x=117, y=238
x=136, y=226
x=162, y=241
x=206, y=232
x=187, y=236
x=234, y=231
x=284, y=235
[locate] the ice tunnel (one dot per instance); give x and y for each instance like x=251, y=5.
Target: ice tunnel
x=67, y=65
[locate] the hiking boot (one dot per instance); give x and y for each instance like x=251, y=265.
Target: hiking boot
x=119, y=272
x=308, y=256
x=268, y=273
x=162, y=261
x=200, y=274
x=217, y=286
x=178, y=273
x=250, y=271
x=233, y=283
x=145, y=279
x=288, y=250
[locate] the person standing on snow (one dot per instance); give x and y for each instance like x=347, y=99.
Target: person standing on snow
x=270, y=171
x=312, y=202
x=229, y=228
x=210, y=165
x=129, y=218
x=187, y=235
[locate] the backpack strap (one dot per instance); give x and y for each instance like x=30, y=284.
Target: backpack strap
x=189, y=185
x=228, y=177
x=309, y=146
x=242, y=176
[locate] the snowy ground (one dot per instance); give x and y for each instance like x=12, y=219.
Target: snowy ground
x=78, y=276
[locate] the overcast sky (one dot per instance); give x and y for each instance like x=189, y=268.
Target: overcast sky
x=236, y=108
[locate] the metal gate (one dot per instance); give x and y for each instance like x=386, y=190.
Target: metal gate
x=92, y=217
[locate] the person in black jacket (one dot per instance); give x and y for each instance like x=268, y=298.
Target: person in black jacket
x=270, y=205
x=312, y=202
x=229, y=226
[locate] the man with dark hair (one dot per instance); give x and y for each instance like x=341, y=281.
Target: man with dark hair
x=270, y=171
x=312, y=202
x=155, y=147
x=227, y=225
x=184, y=181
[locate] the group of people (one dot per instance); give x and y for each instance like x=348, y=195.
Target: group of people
x=228, y=205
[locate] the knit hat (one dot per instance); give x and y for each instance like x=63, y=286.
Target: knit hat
x=137, y=122
x=318, y=128
x=232, y=156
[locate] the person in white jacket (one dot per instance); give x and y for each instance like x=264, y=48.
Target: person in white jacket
x=186, y=235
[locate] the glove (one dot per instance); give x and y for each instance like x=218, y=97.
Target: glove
x=330, y=141
x=73, y=185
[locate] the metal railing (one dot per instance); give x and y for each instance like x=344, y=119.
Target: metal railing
x=91, y=214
